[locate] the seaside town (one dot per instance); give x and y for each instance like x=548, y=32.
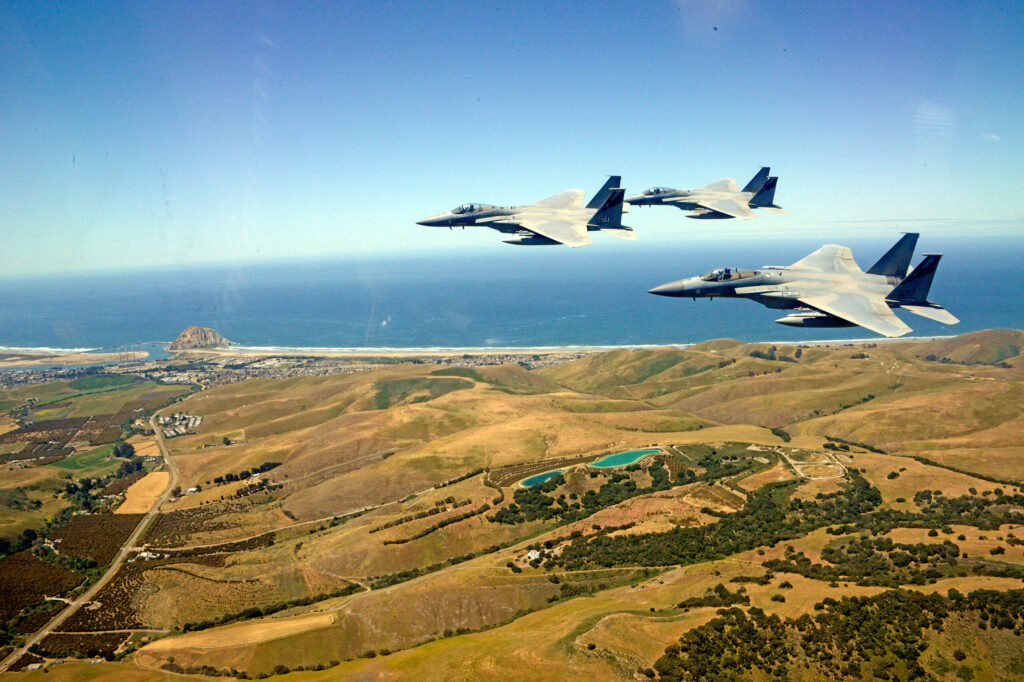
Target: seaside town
x=233, y=366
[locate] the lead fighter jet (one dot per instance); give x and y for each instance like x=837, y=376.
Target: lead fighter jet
x=828, y=289
x=561, y=219
x=720, y=199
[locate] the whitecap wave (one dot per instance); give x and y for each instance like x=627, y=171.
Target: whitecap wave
x=45, y=350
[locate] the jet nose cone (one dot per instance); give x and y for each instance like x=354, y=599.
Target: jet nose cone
x=635, y=199
x=432, y=221
x=677, y=288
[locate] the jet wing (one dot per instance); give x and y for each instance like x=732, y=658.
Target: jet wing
x=563, y=231
x=723, y=185
x=829, y=258
x=730, y=207
x=870, y=312
x=572, y=198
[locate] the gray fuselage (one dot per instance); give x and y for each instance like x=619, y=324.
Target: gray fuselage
x=773, y=286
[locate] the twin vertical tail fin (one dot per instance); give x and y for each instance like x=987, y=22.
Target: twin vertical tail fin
x=609, y=214
x=608, y=217
x=911, y=294
x=765, y=197
x=613, y=182
x=896, y=261
x=758, y=181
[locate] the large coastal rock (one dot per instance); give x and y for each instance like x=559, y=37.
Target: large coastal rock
x=198, y=337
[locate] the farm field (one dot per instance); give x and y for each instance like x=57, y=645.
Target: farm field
x=140, y=497
x=95, y=536
x=26, y=580
x=58, y=442
x=371, y=524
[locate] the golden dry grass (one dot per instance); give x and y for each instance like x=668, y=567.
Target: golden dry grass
x=915, y=477
x=242, y=634
x=7, y=424
x=81, y=671
x=142, y=495
x=779, y=472
x=978, y=543
x=333, y=443
x=144, y=446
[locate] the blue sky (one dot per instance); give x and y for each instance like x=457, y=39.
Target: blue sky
x=171, y=133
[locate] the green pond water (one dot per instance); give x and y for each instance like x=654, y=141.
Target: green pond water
x=622, y=458
x=540, y=478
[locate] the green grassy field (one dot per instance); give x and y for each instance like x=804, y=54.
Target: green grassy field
x=86, y=460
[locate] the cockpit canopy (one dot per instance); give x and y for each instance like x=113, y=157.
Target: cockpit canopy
x=726, y=274
x=658, y=190
x=470, y=208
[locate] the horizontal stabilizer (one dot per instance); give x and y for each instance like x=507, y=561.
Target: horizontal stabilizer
x=623, y=232
x=933, y=311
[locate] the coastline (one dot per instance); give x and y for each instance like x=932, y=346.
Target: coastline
x=29, y=358
x=241, y=351
x=364, y=352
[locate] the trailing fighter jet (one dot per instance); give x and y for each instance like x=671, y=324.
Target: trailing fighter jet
x=720, y=199
x=561, y=219
x=828, y=289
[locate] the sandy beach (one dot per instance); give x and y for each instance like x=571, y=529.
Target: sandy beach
x=362, y=354
x=29, y=360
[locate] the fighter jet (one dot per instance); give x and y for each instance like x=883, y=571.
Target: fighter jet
x=561, y=219
x=828, y=289
x=720, y=199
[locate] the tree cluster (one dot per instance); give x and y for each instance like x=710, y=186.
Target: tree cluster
x=882, y=636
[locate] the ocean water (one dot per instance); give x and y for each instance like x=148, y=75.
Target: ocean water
x=505, y=297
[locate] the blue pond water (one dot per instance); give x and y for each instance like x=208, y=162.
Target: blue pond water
x=622, y=458
x=540, y=478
